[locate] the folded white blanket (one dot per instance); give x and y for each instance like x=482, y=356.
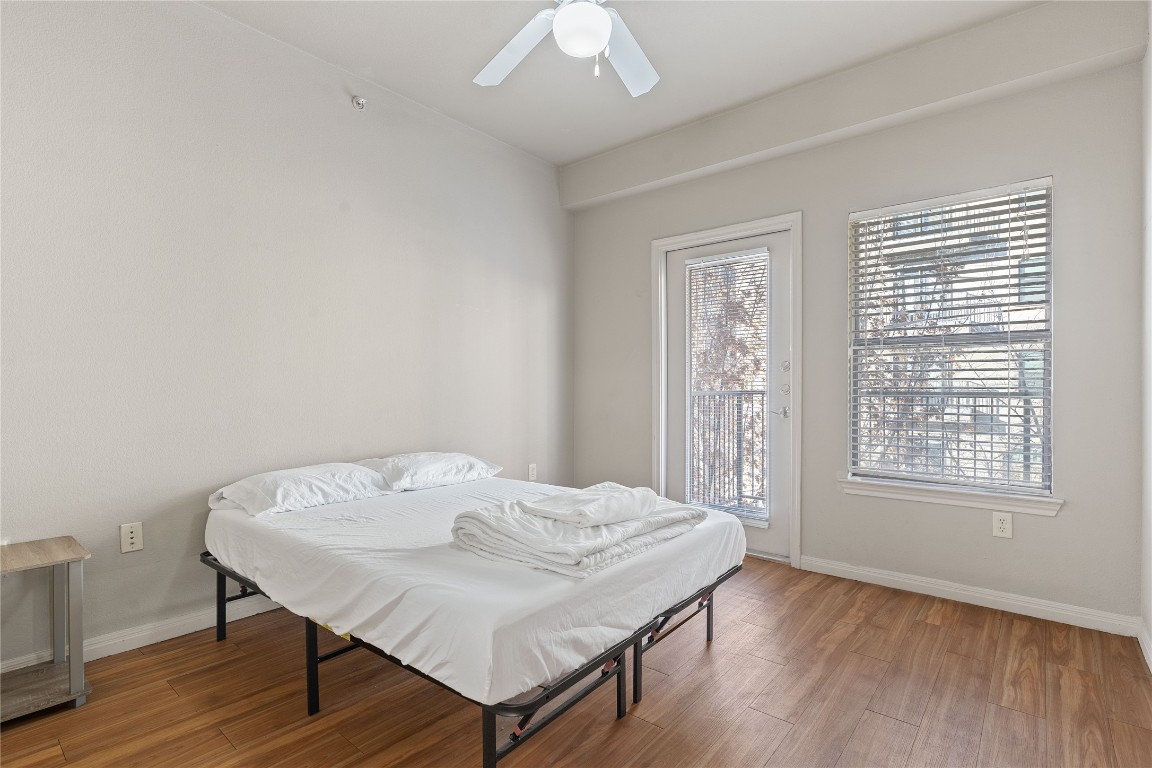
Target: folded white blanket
x=505, y=532
x=599, y=505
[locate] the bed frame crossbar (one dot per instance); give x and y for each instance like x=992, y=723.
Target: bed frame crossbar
x=248, y=588
x=705, y=600
x=610, y=663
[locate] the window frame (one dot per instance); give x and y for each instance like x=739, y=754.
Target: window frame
x=945, y=490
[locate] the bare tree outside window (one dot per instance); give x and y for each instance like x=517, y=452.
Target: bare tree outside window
x=728, y=368
x=951, y=350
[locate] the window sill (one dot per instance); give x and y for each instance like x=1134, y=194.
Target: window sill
x=956, y=497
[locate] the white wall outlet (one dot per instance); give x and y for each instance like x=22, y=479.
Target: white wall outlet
x=131, y=537
x=1002, y=524
x=531, y=471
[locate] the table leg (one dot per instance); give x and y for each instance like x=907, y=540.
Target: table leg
x=59, y=612
x=76, y=628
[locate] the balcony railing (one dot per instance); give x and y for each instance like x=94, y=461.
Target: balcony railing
x=728, y=451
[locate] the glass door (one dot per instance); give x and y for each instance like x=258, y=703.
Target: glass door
x=729, y=383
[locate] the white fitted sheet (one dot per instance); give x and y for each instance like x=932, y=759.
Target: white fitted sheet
x=385, y=570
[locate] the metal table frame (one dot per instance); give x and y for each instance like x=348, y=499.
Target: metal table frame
x=43, y=685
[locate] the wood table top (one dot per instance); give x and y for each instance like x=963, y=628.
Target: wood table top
x=41, y=553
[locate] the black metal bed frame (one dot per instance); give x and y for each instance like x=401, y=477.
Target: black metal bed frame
x=611, y=662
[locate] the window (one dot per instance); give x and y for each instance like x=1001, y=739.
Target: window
x=951, y=341
x=727, y=340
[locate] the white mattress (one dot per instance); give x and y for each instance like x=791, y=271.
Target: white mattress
x=386, y=571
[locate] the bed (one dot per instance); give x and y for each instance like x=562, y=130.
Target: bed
x=384, y=573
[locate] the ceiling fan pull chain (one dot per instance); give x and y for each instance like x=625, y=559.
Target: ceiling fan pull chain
x=596, y=69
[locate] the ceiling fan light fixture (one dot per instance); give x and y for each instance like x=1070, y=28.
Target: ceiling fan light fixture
x=582, y=28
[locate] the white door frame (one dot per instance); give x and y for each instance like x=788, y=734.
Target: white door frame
x=790, y=222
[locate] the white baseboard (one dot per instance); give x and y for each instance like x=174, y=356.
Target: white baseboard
x=1091, y=618
x=146, y=634
x=1145, y=638
x=138, y=637
x=783, y=559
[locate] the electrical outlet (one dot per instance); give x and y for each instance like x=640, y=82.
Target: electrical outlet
x=1002, y=524
x=531, y=471
x=131, y=537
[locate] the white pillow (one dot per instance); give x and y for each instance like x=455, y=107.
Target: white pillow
x=413, y=471
x=287, y=490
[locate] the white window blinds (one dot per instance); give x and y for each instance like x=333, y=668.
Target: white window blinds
x=951, y=341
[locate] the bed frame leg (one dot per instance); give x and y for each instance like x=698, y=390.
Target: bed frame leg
x=488, y=725
x=312, y=665
x=221, y=607
x=622, y=685
x=637, y=673
x=711, y=605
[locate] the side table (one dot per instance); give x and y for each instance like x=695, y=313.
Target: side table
x=61, y=680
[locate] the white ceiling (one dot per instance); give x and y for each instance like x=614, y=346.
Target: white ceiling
x=712, y=55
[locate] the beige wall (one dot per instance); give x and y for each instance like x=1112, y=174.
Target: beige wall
x=1086, y=133
x=1146, y=538
x=1044, y=43
x=214, y=266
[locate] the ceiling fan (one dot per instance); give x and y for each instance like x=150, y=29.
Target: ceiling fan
x=582, y=28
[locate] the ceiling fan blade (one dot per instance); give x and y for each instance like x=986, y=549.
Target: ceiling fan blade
x=628, y=60
x=517, y=48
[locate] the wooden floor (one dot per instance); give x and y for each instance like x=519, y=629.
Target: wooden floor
x=806, y=670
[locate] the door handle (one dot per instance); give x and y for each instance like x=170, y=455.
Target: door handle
x=785, y=412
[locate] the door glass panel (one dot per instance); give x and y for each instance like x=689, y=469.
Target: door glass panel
x=727, y=379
